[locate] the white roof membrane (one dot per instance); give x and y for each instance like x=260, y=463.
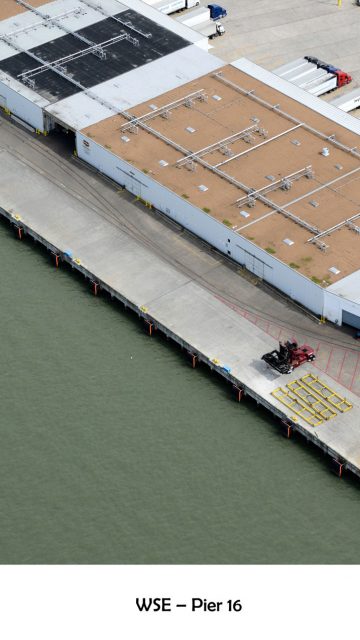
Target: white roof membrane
x=348, y=287
x=28, y=30
x=134, y=87
x=22, y=90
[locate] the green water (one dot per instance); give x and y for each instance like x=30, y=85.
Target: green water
x=113, y=450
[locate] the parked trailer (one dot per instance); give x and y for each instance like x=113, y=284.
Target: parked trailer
x=289, y=66
x=324, y=85
x=348, y=101
x=291, y=76
x=211, y=29
x=172, y=6
x=310, y=77
x=195, y=17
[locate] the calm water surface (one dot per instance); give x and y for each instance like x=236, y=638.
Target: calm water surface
x=113, y=450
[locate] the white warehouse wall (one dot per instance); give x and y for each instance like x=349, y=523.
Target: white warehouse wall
x=255, y=259
x=21, y=105
x=334, y=305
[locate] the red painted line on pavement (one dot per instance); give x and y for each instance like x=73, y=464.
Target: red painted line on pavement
x=328, y=362
x=342, y=364
x=356, y=368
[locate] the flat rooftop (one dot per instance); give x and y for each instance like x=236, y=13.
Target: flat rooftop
x=252, y=158
x=127, y=40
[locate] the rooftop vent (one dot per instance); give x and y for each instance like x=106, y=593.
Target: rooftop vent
x=202, y=187
x=271, y=178
x=285, y=184
x=190, y=129
x=296, y=143
x=321, y=245
x=226, y=150
x=163, y=163
x=153, y=107
x=325, y=152
x=216, y=97
x=288, y=242
x=339, y=166
x=334, y=270
x=125, y=139
x=255, y=119
x=313, y=203
x=244, y=214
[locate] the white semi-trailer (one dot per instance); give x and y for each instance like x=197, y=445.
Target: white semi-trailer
x=195, y=17
x=348, y=101
x=171, y=6
x=322, y=85
x=310, y=77
x=293, y=74
x=289, y=67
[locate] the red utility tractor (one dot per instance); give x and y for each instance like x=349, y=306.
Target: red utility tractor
x=289, y=356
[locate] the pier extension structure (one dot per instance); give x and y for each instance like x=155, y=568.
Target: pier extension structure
x=166, y=300
x=260, y=170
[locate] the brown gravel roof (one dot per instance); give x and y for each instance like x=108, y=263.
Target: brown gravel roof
x=10, y=8
x=262, y=162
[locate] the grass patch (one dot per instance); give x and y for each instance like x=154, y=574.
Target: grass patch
x=145, y=170
x=206, y=209
x=108, y=146
x=250, y=238
x=315, y=279
x=270, y=250
x=293, y=265
x=185, y=195
x=227, y=222
x=306, y=259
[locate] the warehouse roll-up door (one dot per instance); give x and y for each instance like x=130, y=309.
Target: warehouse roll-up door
x=252, y=262
x=351, y=319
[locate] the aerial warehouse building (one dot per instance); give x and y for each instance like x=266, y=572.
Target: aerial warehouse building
x=254, y=165
x=69, y=48
x=258, y=168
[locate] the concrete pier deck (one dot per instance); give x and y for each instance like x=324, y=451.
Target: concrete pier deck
x=169, y=298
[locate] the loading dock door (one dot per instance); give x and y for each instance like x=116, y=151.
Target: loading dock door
x=252, y=262
x=351, y=319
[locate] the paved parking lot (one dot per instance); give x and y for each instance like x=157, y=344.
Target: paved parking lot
x=273, y=32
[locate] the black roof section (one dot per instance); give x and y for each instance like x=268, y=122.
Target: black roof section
x=90, y=70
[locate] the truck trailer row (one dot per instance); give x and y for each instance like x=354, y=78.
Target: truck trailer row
x=313, y=75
